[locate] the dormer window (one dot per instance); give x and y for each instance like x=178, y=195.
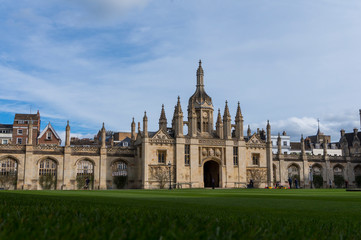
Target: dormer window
x=48, y=136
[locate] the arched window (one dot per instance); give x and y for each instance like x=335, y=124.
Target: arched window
x=337, y=171
x=47, y=174
x=8, y=166
x=293, y=171
x=120, y=174
x=84, y=167
x=85, y=174
x=357, y=170
x=317, y=169
x=119, y=169
x=8, y=173
x=339, y=180
x=47, y=167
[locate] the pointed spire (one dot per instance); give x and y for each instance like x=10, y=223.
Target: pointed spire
x=318, y=126
x=219, y=117
x=67, y=134
x=103, y=136
x=162, y=114
x=226, y=111
x=200, y=74
x=249, y=132
x=30, y=132
x=145, y=125
x=239, y=112
x=163, y=120
x=268, y=132
x=279, y=144
x=219, y=125
x=133, y=130
x=178, y=106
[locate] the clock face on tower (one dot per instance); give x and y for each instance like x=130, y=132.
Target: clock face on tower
x=205, y=115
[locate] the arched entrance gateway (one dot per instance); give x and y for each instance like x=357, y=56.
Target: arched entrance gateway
x=211, y=173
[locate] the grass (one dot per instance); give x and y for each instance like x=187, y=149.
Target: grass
x=181, y=214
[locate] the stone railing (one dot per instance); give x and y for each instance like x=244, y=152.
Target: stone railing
x=12, y=147
x=120, y=150
x=211, y=142
x=85, y=149
x=162, y=141
x=48, y=147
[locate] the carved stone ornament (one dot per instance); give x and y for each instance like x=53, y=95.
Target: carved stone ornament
x=204, y=152
x=211, y=152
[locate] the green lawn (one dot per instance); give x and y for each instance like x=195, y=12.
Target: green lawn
x=181, y=214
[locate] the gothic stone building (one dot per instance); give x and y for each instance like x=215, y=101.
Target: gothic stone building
x=206, y=155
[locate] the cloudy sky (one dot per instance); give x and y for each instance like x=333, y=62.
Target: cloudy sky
x=94, y=61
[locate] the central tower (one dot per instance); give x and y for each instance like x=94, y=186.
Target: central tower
x=200, y=108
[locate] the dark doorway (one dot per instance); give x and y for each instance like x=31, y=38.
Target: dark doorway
x=211, y=171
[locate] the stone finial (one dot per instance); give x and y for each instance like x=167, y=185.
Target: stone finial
x=226, y=114
x=239, y=113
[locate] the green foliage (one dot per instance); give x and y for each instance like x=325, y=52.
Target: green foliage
x=317, y=181
x=81, y=181
x=120, y=181
x=358, y=181
x=47, y=181
x=180, y=214
x=339, y=181
x=8, y=181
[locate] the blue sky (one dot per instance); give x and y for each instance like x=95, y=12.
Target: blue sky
x=94, y=61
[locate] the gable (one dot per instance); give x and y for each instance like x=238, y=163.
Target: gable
x=161, y=134
x=49, y=128
x=255, y=139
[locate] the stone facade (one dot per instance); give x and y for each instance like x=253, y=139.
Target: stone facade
x=202, y=157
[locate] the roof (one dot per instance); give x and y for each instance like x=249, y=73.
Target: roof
x=20, y=116
x=350, y=136
x=120, y=136
x=10, y=126
x=51, y=129
x=297, y=146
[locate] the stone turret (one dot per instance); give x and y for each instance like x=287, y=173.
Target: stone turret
x=239, y=123
x=178, y=119
x=202, y=105
x=133, y=130
x=269, y=155
x=163, y=120
x=279, y=144
x=30, y=131
x=67, y=134
x=145, y=125
x=303, y=149
x=219, y=125
x=103, y=136
x=269, y=133
x=249, y=132
x=227, y=127
x=192, y=121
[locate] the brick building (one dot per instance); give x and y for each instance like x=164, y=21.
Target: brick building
x=20, y=128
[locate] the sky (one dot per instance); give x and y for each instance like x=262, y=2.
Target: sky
x=95, y=61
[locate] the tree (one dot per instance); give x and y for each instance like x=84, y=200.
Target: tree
x=160, y=174
x=258, y=175
x=8, y=181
